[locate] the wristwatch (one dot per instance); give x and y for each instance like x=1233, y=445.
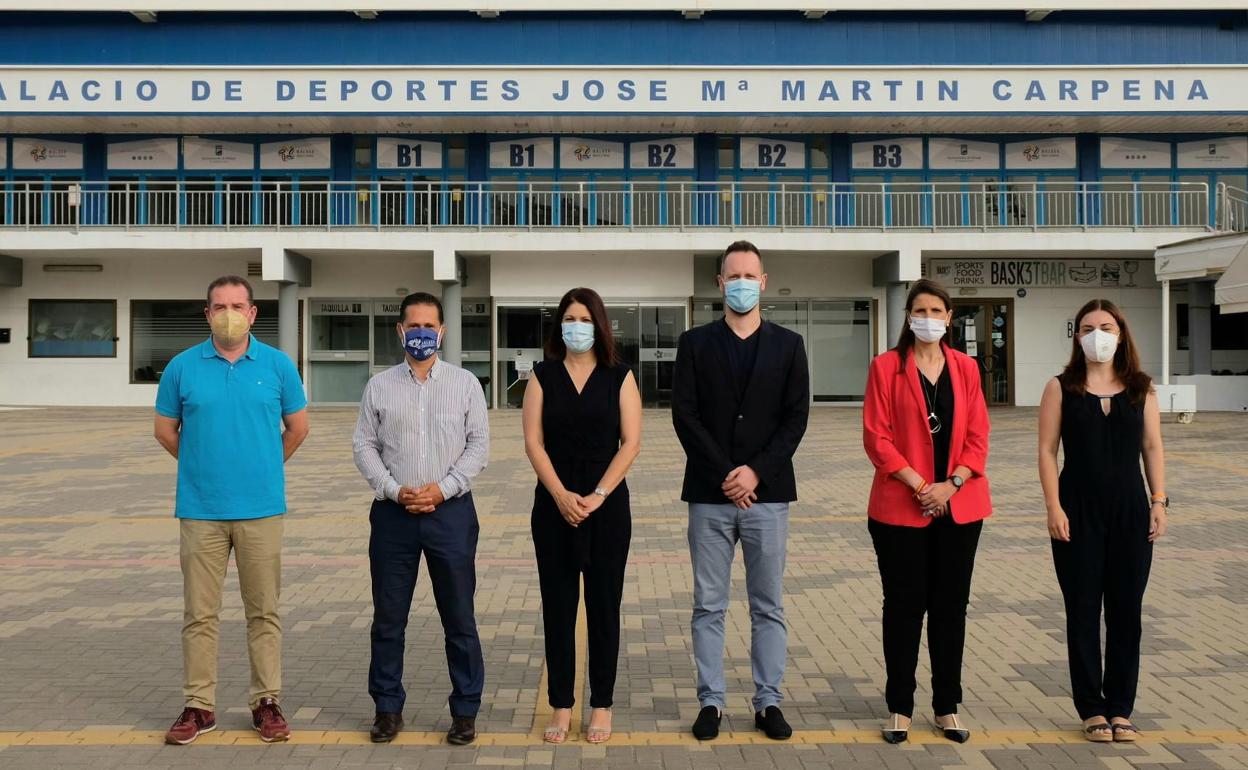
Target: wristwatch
x=1165, y=502
x=956, y=480
x=600, y=492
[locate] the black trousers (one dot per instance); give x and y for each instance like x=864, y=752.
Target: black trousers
x=925, y=570
x=1107, y=562
x=598, y=549
x=448, y=539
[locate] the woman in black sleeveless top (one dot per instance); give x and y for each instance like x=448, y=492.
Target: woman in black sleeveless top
x=1104, y=412
x=582, y=431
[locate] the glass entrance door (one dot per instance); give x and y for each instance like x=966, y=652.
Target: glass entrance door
x=984, y=331
x=645, y=336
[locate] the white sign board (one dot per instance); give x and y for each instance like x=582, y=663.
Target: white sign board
x=988, y=273
x=1117, y=152
x=770, y=154
x=408, y=153
x=577, y=153
x=628, y=90
x=160, y=154
x=1223, y=152
x=206, y=154
x=387, y=308
x=1041, y=154
x=889, y=154
x=662, y=154
x=963, y=154
x=339, y=307
x=537, y=152
x=296, y=154
x=29, y=153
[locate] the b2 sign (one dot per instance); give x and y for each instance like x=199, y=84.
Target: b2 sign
x=772, y=154
x=660, y=154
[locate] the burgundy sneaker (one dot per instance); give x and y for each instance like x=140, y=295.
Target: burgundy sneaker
x=267, y=720
x=190, y=725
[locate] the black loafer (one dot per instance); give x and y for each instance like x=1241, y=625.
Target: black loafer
x=385, y=727
x=895, y=735
x=463, y=731
x=706, y=726
x=771, y=721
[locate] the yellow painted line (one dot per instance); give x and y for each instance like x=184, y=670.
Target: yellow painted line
x=982, y=738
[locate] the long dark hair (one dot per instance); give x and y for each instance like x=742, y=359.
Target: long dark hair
x=1074, y=378
x=905, y=343
x=604, y=340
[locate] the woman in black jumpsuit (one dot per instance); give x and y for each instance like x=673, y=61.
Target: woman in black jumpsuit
x=1101, y=519
x=582, y=426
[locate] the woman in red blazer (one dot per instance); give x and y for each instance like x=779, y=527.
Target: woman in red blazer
x=925, y=429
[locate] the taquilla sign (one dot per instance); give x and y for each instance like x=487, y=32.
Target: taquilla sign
x=693, y=90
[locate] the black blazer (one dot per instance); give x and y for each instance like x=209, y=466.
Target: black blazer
x=720, y=431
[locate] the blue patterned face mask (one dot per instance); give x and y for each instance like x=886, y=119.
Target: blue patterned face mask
x=421, y=343
x=742, y=294
x=578, y=336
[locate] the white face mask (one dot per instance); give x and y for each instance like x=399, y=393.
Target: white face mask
x=1099, y=345
x=928, y=329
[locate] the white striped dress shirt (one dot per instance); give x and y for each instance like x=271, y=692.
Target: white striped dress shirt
x=411, y=433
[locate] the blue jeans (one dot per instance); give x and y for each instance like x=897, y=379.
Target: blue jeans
x=448, y=539
x=763, y=530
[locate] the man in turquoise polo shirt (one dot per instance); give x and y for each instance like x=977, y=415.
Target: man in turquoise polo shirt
x=220, y=411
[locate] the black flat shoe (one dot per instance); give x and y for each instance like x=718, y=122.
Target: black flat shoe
x=955, y=732
x=385, y=727
x=706, y=726
x=894, y=733
x=463, y=731
x=771, y=721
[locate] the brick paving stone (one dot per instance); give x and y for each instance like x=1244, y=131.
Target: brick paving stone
x=90, y=615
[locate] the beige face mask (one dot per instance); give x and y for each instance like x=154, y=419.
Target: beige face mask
x=230, y=327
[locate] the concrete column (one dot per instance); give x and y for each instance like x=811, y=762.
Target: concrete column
x=453, y=336
x=895, y=311
x=288, y=318
x=1199, y=326
x=1165, y=332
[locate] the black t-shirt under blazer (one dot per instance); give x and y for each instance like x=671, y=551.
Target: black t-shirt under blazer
x=722, y=426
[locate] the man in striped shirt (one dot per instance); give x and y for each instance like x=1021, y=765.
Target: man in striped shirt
x=421, y=438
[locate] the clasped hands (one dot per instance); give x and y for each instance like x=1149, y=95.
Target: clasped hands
x=934, y=498
x=740, y=485
x=576, y=508
x=421, y=499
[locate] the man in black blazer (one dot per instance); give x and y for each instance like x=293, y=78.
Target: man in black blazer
x=740, y=401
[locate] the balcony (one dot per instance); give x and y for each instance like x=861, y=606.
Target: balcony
x=951, y=206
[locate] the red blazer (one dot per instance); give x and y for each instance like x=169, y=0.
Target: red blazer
x=895, y=434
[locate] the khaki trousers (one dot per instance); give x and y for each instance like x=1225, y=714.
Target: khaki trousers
x=205, y=553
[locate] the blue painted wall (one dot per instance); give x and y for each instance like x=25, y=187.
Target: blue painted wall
x=635, y=38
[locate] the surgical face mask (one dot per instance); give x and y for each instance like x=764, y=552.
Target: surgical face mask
x=230, y=327
x=1099, y=345
x=421, y=343
x=928, y=329
x=742, y=294
x=578, y=336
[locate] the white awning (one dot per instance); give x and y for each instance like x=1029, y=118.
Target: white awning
x=1205, y=257
x=1231, y=290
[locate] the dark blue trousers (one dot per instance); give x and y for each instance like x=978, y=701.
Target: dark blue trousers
x=448, y=539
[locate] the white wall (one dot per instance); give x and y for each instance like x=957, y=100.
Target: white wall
x=622, y=275
x=106, y=381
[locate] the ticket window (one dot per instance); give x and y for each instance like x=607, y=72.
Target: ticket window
x=339, y=350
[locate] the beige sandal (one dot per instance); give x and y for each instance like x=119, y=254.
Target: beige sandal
x=598, y=734
x=557, y=735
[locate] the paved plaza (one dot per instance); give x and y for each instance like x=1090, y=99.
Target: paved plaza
x=90, y=661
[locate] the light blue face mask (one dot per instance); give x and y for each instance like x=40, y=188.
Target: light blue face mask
x=578, y=336
x=742, y=294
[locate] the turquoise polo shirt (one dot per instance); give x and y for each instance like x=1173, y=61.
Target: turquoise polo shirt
x=230, y=458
